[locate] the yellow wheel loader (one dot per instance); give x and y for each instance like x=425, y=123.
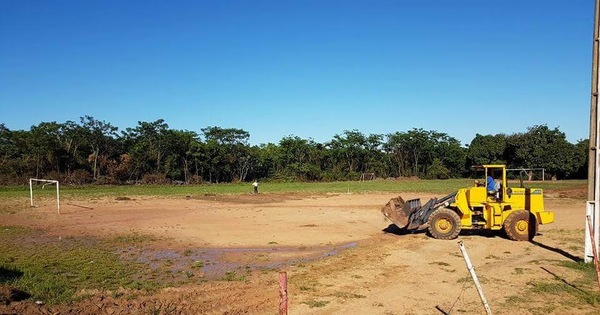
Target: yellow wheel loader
x=488, y=205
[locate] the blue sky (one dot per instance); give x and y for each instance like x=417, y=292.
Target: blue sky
x=306, y=68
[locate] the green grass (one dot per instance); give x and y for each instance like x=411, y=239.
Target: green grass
x=576, y=291
x=519, y=271
x=588, y=270
x=54, y=271
x=233, y=276
x=348, y=295
x=134, y=238
x=408, y=185
x=575, y=296
x=315, y=303
x=65, y=270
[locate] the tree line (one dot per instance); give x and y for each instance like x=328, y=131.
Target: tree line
x=94, y=151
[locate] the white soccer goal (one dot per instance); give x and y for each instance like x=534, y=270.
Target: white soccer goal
x=531, y=173
x=367, y=176
x=46, y=181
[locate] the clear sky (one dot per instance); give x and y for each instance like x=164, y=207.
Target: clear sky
x=311, y=68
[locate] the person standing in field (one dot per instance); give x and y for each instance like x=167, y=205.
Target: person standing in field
x=255, y=185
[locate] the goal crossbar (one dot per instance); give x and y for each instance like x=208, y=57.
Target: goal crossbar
x=46, y=181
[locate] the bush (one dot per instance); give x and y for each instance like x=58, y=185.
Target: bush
x=195, y=179
x=9, y=179
x=437, y=170
x=106, y=180
x=54, y=175
x=151, y=179
x=79, y=177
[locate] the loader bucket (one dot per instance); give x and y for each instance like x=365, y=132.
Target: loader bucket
x=398, y=211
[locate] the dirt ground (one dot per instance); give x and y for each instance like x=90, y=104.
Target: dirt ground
x=340, y=253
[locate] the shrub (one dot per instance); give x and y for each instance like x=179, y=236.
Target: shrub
x=437, y=170
x=151, y=179
x=79, y=177
x=9, y=179
x=106, y=180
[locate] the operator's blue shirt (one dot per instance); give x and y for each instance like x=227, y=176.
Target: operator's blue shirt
x=491, y=185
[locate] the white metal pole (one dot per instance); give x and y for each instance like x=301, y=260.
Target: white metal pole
x=543, y=174
x=57, y=197
x=30, y=192
x=474, y=276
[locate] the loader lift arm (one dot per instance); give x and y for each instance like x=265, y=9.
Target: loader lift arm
x=410, y=214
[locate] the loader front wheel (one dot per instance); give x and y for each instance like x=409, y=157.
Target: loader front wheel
x=444, y=224
x=521, y=225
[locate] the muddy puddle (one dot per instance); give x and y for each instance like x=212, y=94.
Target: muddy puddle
x=226, y=263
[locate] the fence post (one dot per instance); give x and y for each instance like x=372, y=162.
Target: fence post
x=283, y=293
x=474, y=276
x=589, y=224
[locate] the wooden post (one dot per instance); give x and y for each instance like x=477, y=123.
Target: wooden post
x=593, y=204
x=474, y=276
x=283, y=293
x=596, y=264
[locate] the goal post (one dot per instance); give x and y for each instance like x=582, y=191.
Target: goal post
x=366, y=176
x=532, y=173
x=47, y=182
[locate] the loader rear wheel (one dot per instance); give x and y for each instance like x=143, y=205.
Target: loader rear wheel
x=521, y=225
x=444, y=224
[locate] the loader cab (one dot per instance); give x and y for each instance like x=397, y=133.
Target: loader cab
x=493, y=183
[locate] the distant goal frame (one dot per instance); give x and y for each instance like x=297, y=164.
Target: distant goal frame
x=47, y=182
x=533, y=169
x=367, y=177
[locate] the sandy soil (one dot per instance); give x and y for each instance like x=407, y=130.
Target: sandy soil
x=340, y=253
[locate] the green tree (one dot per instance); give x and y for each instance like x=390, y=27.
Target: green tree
x=396, y=148
x=267, y=163
x=181, y=145
x=8, y=148
x=298, y=158
x=228, y=157
x=450, y=154
x=147, y=146
x=414, y=152
x=542, y=147
x=437, y=170
x=353, y=153
x=100, y=138
x=44, y=147
x=487, y=149
x=582, y=147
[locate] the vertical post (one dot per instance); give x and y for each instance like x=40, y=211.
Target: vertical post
x=283, y=293
x=471, y=269
x=57, y=197
x=31, y=192
x=543, y=174
x=589, y=224
x=592, y=208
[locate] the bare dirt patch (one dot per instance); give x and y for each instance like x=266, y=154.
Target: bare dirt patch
x=335, y=248
x=572, y=192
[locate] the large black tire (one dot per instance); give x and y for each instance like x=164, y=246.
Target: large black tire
x=444, y=224
x=521, y=225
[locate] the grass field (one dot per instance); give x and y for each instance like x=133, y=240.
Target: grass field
x=409, y=185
